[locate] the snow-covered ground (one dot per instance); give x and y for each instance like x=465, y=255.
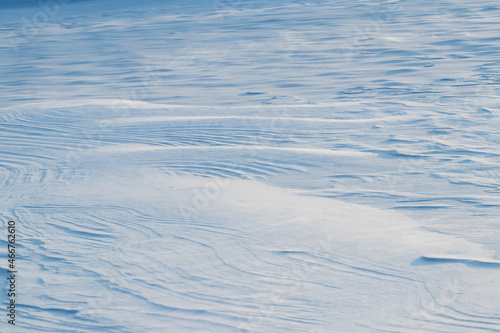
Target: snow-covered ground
x=251, y=166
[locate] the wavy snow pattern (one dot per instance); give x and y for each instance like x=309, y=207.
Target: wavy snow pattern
x=270, y=168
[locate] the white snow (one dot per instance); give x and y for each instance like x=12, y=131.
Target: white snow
x=242, y=166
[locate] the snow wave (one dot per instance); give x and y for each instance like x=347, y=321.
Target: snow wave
x=287, y=167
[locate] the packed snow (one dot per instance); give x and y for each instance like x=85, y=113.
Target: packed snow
x=251, y=166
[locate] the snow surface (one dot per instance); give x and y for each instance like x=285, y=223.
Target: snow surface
x=251, y=166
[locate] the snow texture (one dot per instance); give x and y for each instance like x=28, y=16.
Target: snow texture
x=252, y=166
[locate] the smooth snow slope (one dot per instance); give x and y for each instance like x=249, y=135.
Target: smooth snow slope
x=230, y=166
